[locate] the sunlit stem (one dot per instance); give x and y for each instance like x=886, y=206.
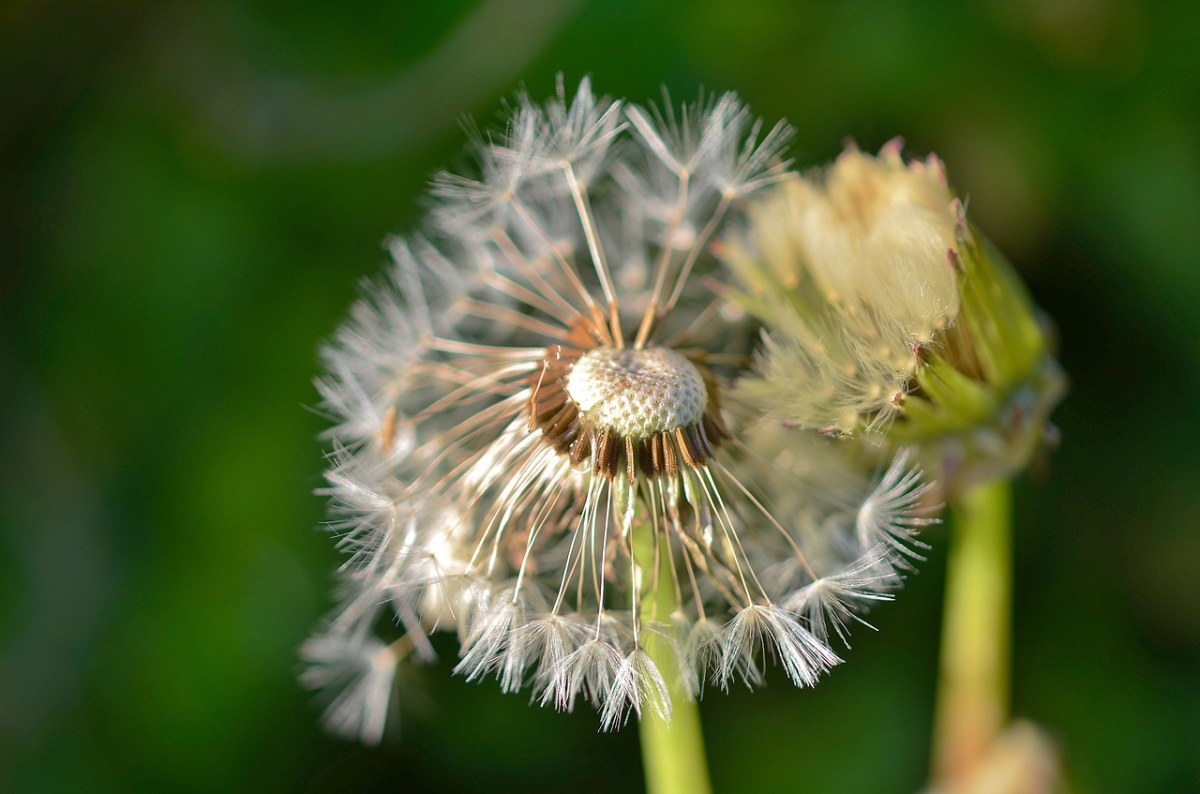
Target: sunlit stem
x=973, y=684
x=672, y=751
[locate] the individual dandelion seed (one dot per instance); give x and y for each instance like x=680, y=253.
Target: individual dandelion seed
x=886, y=310
x=536, y=427
x=358, y=672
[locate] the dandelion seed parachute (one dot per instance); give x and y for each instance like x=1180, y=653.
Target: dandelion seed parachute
x=536, y=424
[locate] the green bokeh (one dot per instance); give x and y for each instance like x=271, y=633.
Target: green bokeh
x=190, y=194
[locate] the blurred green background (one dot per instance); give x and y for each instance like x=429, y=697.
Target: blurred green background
x=190, y=193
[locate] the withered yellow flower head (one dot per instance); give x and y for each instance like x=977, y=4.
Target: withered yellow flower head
x=885, y=310
x=875, y=232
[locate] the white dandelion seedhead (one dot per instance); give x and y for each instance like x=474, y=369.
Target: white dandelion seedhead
x=536, y=436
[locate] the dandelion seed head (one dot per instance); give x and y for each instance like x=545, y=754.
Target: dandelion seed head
x=539, y=425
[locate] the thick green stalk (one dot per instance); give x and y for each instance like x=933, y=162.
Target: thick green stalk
x=672, y=751
x=973, y=684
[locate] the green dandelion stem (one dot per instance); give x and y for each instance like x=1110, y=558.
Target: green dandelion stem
x=672, y=751
x=973, y=685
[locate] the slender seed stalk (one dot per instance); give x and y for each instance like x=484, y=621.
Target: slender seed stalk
x=672, y=751
x=973, y=683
